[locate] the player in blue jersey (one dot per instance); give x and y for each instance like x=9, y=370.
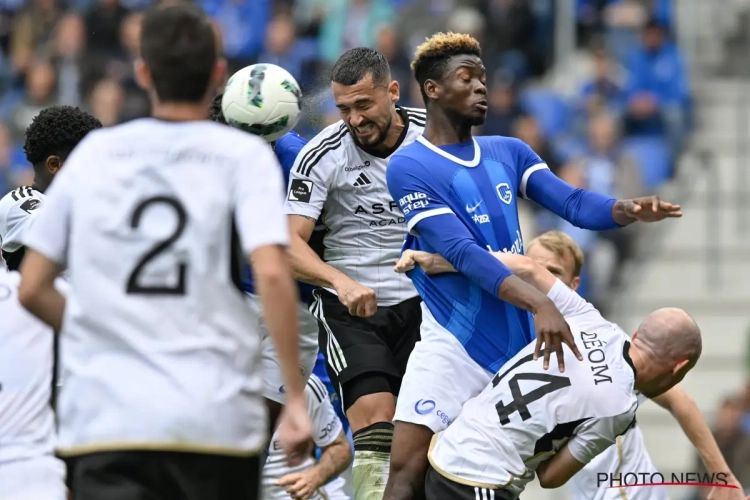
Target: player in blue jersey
x=286, y=148
x=458, y=194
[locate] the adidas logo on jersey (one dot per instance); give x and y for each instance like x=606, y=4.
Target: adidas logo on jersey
x=362, y=180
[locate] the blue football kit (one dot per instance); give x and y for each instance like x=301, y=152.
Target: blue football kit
x=459, y=201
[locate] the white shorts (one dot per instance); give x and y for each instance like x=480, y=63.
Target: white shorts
x=41, y=478
x=273, y=381
x=440, y=377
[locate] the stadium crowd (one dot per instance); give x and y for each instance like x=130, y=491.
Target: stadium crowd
x=619, y=134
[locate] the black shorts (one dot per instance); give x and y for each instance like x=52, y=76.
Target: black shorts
x=439, y=487
x=162, y=475
x=366, y=355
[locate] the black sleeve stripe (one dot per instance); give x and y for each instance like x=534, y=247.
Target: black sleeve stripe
x=30, y=191
x=307, y=158
x=307, y=167
x=315, y=389
x=13, y=194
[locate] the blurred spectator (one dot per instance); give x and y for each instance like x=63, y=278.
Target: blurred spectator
x=103, y=27
x=527, y=129
x=40, y=93
x=604, y=92
x=657, y=91
x=504, y=107
x=106, y=102
x=135, y=99
x=733, y=441
x=388, y=45
x=419, y=19
x=284, y=49
x=70, y=41
x=33, y=27
x=243, y=27
x=511, y=46
x=352, y=23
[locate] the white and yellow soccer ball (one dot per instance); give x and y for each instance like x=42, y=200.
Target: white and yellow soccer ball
x=262, y=99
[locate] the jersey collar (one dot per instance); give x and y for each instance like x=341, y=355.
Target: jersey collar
x=385, y=154
x=628, y=359
x=470, y=163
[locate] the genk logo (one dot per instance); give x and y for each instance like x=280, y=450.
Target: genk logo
x=424, y=406
x=504, y=192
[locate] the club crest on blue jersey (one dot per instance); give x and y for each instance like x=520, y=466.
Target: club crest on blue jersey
x=504, y=192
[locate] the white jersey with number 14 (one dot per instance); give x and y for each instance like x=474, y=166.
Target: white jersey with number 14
x=526, y=414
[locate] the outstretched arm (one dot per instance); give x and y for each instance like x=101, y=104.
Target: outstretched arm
x=687, y=414
x=522, y=266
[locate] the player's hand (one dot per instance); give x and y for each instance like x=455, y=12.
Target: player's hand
x=727, y=493
x=295, y=431
x=300, y=485
x=650, y=209
x=431, y=263
x=360, y=300
x=553, y=331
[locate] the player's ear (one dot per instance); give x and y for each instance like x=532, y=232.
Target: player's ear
x=680, y=366
x=431, y=89
x=142, y=74
x=53, y=164
x=575, y=283
x=219, y=75
x=394, y=90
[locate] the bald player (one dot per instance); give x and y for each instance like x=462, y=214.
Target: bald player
x=562, y=257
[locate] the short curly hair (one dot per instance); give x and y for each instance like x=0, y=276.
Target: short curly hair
x=55, y=131
x=215, y=114
x=432, y=56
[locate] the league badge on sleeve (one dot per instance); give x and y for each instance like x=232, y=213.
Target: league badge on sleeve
x=300, y=190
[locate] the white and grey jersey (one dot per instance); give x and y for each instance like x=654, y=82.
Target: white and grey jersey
x=365, y=228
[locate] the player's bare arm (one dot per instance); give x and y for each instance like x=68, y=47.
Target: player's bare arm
x=37, y=291
x=556, y=471
x=308, y=267
x=278, y=295
x=334, y=460
x=524, y=267
x=687, y=414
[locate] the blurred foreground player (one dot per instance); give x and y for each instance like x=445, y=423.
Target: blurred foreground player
x=50, y=138
x=161, y=396
x=286, y=148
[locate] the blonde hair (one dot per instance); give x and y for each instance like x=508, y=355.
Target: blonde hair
x=561, y=245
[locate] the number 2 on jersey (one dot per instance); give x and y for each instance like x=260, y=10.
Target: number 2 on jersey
x=521, y=401
x=133, y=286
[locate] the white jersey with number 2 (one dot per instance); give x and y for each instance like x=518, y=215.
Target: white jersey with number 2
x=526, y=414
x=153, y=220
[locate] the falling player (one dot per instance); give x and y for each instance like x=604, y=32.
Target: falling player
x=286, y=148
x=50, y=138
x=162, y=392
x=28, y=467
x=458, y=194
x=369, y=316
x=509, y=433
x=560, y=255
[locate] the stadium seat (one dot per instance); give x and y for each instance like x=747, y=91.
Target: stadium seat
x=549, y=108
x=653, y=157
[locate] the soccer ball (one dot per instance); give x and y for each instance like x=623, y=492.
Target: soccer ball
x=262, y=99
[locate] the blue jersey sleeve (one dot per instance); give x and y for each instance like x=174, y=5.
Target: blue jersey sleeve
x=430, y=218
x=287, y=148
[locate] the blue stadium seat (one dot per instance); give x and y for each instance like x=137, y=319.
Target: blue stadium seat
x=654, y=158
x=549, y=108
